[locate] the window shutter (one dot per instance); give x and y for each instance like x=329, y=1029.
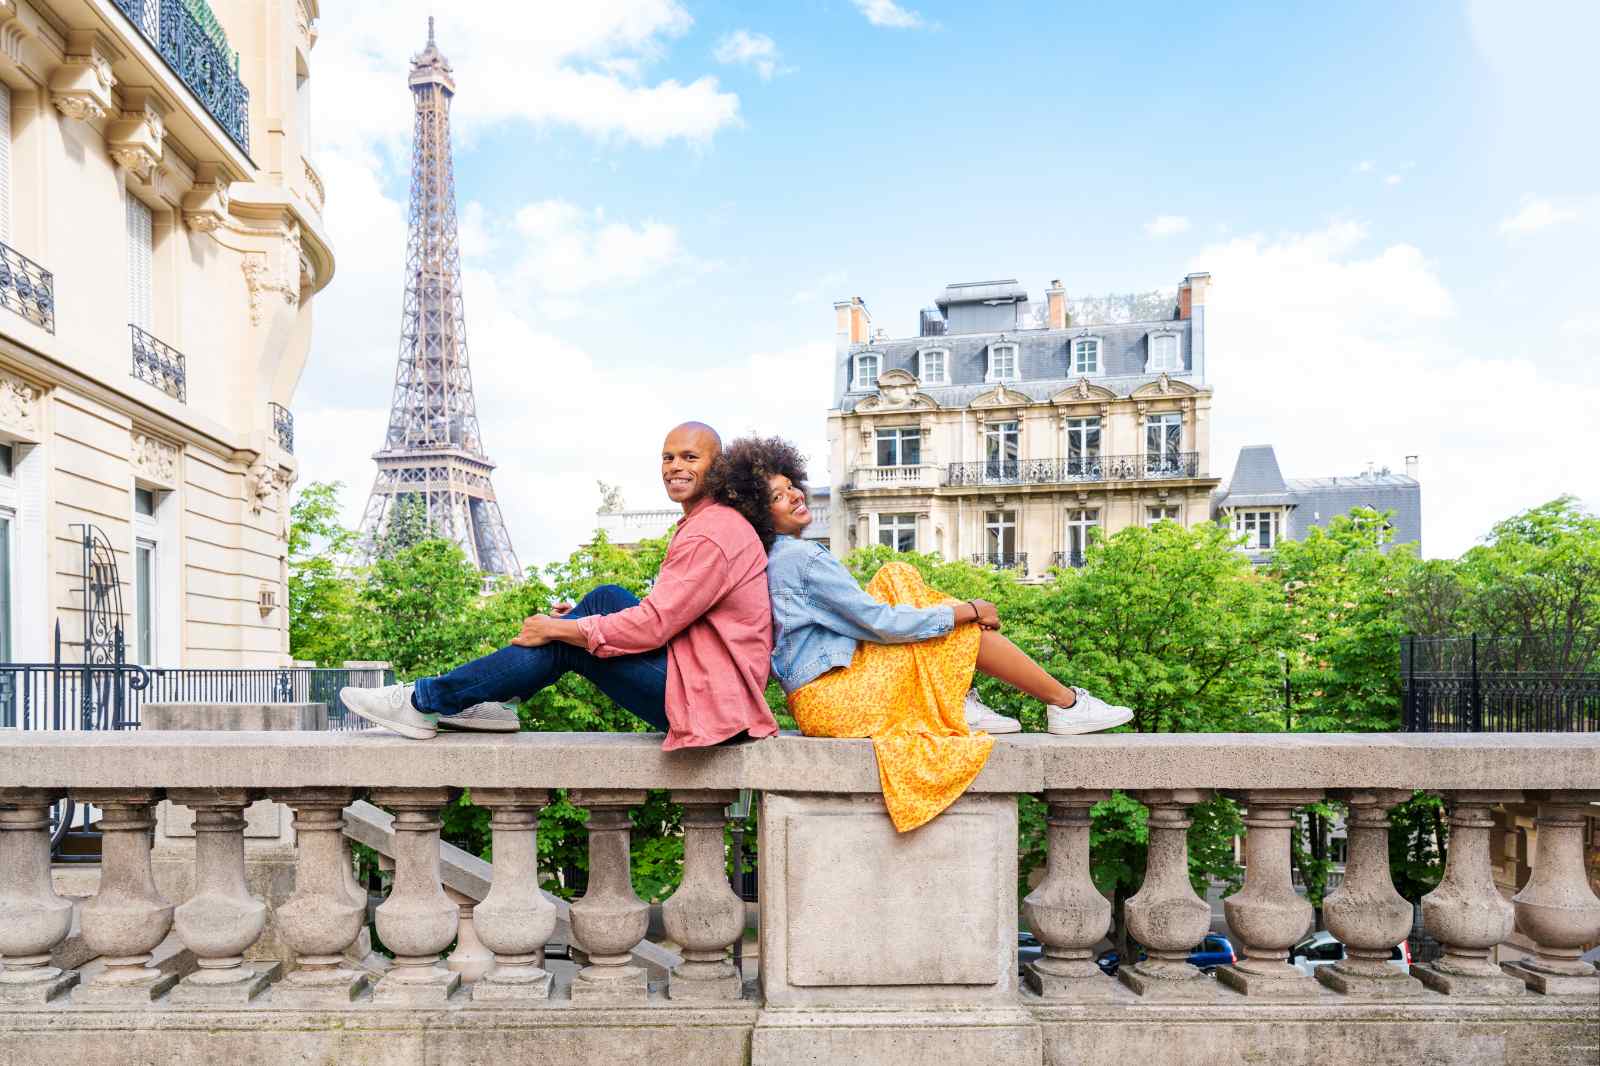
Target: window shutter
x=5, y=163
x=138, y=263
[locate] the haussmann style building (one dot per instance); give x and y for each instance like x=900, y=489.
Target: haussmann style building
x=999, y=436
x=161, y=240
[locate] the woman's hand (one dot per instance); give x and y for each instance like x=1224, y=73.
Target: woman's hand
x=536, y=630
x=988, y=614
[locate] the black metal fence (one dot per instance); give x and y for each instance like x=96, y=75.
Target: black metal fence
x=1478, y=684
x=199, y=55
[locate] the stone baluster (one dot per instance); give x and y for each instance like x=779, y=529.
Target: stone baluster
x=1557, y=909
x=33, y=919
x=418, y=921
x=1466, y=913
x=1066, y=912
x=328, y=911
x=1365, y=911
x=609, y=919
x=1266, y=915
x=1165, y=915
x=469, y=958
x=515, y=920
x=222, y=918
x=704, y=916
x=127, y=919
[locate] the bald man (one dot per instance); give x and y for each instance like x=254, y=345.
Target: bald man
x=690, y=659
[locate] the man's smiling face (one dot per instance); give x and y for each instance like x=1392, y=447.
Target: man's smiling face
x=686, y=457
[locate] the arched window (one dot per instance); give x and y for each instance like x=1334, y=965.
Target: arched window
x=866, y=371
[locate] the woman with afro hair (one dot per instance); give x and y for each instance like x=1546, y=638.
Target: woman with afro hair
x=893, y=662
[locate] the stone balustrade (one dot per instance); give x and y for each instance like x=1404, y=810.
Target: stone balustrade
x=874, y=946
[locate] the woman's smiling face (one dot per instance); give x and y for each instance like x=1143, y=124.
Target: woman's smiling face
x=790, y=515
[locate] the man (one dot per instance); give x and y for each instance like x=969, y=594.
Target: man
x=691, y=658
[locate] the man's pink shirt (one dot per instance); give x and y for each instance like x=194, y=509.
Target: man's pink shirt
x=711, y=609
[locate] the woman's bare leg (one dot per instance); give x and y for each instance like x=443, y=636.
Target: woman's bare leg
x=1004, y=661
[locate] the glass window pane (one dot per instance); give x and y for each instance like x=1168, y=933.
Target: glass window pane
x=144, y=593
x=911, y=447
x=888, y=449
x=144, y=501
x=7, y=460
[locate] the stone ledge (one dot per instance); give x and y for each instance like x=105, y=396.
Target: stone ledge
x=1025, y=763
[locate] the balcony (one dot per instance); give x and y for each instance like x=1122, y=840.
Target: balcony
x=1078, y=470
x=919, y=476
x=199, y=55
x=27, y=289
x=158, y=364
x=1003, y=561
x=282, y=426
x=873, y=947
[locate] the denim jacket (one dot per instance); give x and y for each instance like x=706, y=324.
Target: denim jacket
x=819, y=613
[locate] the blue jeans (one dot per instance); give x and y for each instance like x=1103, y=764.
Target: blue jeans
x=636, y=683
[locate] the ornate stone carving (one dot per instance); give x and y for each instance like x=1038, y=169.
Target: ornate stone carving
x=81, y=86
x=897, y=390
x=277, y=272
x=154, y=459
x=19, y=407
x=134, y=140
x=260, y=484
x=205, y=205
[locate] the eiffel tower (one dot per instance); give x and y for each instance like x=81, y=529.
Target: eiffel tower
x=432, y=455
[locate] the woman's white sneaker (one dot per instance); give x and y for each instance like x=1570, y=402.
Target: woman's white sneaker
x=391, y=708
x=1089, y=714
x=983, y=718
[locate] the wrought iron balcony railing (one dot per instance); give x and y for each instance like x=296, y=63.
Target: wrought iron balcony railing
x=160, y=365
x=1003, y=561
x=206, y=66
x=283, y=426
x=1089, y=468
x=1066, y=560
x=27, y=289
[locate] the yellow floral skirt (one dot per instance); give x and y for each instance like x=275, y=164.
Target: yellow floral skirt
x=910, y=699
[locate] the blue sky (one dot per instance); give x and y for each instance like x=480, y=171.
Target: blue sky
x=660, y=201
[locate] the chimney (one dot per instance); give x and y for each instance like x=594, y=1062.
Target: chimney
x=1192, y=294
x=1056, y=306
x=852, y=322
x=1411, y=467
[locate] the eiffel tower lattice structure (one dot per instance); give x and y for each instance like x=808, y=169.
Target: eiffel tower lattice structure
x=432, y=455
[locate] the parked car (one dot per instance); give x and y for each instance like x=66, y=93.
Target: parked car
x=1215, y=950
x=1322, y=948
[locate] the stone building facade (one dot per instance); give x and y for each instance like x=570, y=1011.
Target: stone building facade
x=162, y=239
x=1002, y=436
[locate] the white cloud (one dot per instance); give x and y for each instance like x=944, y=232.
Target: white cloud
x=564, y=249
x=1365, y=166
x=1583, y=325
x=1166, y=225
x=754, y=50
x=1393, y=179
x=1536, y=214
x=890, y=14
x=1335, y=349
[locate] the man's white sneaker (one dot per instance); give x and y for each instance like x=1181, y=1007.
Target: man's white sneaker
x=482, y=718
x=1089, y=714
x=391, y=708
x=981, y=717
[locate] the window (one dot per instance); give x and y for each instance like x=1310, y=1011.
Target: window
x=1083, y=446
x=144, y=502
x=1086, y=355
x=932, y=368
x=7, y=539
x=898, y=531
x=1000, y=535
x=1260, y=529
x=144, y=594
x=1079, y=522
x=8, y=461
x=901, y=446
x=139, y=256
x=1162, y=513
x=1002, y=362
x=1164, y=353
x=1000, y=447
x=1163, y=439
x=5, y=162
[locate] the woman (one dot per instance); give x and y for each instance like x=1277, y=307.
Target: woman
x=893, y=662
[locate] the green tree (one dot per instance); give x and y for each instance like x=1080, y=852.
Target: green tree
x=324, y=607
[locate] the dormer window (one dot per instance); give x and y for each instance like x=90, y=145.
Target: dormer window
x=933, y=367
x=1166, y=353
x=1002, y=362
x=866, y=372
x=1086, y=355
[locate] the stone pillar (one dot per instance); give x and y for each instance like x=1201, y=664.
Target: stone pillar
x=609, y=920
x=33, y=919
x=469, y=958
x=704, y=916
x=418, y=921
x=1165, y=915
x=1365, y=911
x=1266, y=915
x=1066, y=912
x=127, y=918
x=515, y=920
x=1466, y=913
x=1557, y=909
x=222, y=918
x=327, y=912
